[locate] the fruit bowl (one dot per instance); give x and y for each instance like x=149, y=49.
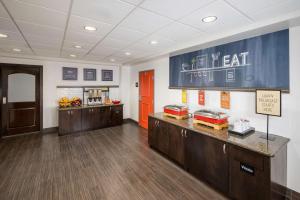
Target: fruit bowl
x=116, y=101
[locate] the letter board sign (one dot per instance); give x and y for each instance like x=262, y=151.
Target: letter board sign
x=260, y=62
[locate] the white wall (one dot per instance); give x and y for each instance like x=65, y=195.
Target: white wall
x=125, y=90
x=242, y=103
x=52, y=77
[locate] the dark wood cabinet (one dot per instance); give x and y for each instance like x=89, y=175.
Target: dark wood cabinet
x=237, y=171
x=89, y=118
x=177, y=136
x=249, y=175
x=167, y=138
x=103, y=118
x=152, y=136
x=207, y=159
x=116, y=115
x=70, y=121
x=162, y=137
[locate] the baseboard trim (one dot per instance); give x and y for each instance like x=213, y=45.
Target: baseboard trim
x=129, y=120
x=50, y=130
x=282, y=192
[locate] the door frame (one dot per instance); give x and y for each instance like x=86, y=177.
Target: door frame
x=20, y=66
x=139, y=110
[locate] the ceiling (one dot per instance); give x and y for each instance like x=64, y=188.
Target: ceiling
x=52, y=28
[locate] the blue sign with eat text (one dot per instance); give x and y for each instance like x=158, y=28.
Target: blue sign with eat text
x=260, y=62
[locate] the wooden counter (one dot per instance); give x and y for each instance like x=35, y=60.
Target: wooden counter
x=252, y=142
x=241, y=167
x=87, y=106
x=85, y=118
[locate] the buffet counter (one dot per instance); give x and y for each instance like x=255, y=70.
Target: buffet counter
x=253, y=142
x=86, y=118
x=89, y=106
x=248, y=167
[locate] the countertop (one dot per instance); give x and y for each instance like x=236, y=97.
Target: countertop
x=87, y=106
x=252, y=141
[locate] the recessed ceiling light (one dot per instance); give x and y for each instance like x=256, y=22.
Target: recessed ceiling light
x=112, y=60
x=90, y=28
x=2, y=35
x=72, y=55
x=17, y=50
x=153, y=42
x=77, y=46
x=209, y=19
x=127, y=53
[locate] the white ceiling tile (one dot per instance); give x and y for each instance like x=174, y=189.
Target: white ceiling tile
x=103, y=51
x=174, y=9
x=49, y=47
x=9, y=44
x=9, y=49
x=121, y=33
x=71, y=44
x=35, y=14
x=228, y=18
x=46, y=52
x=109, y=11
x=77, y=24
x=179, y=32
x=92, y=57
x=258, y=9
x=134, y=2
x=3, y=12
x=50, y=41
x=14, y=36
x=163, y=42
x=144, y=21
x=66, y=54
x=75, y=51
x=59, y=5
x=113, y=43
x=7, y=24
x=24, y=52
x=82, y=38
x=39, y=30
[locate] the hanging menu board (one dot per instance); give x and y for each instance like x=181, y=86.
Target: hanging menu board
x=260, y=62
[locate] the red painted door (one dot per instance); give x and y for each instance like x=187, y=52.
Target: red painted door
x=146, y=97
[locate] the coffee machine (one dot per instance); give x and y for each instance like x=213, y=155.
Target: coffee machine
x=96, y=96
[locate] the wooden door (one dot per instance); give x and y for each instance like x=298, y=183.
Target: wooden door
x=146, y=97
x=176, y=143
x=21, y=100
x=207, y=159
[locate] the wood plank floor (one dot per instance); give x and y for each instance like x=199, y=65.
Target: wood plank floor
x=111, y=163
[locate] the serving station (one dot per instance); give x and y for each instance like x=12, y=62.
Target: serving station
x=85, y=118
x=94, y=111
x=248, y=167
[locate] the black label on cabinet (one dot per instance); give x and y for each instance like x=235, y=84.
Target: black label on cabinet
x=247, y=168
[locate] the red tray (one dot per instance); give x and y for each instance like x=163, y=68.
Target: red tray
x=211, y=120
x=173, y=112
